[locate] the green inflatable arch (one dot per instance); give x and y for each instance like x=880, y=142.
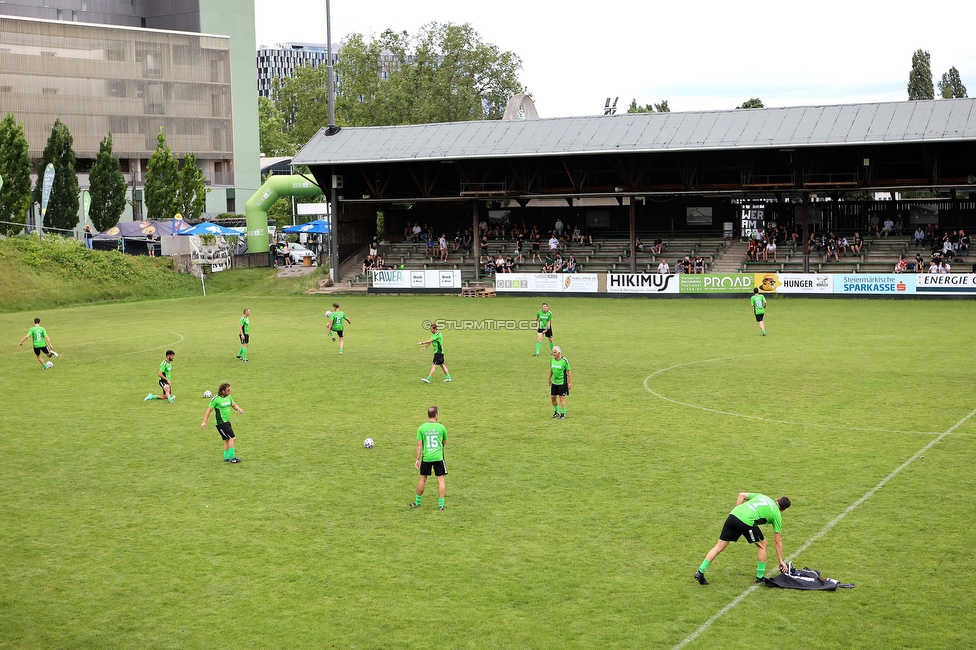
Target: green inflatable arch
x=256, y=208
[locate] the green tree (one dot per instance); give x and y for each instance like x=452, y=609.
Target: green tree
x=302, y=101
x=107, y=187
x=951, y=85
x=271, y=130
x=920, y=78
x=162, y=182
x=191, y=194
x=648, y=108
x=755, y=102
x=375, y=80
x=15, y=168
x=62, y=207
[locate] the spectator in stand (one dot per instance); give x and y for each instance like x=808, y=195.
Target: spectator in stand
x=547, y=264
x=901, y=265
x=519, y=248
x=484, y=243
x=553, y=244
x=813, y=243
x=663, y=268
x=946, y=245
x=558, y=230
x=769, y=250
x=929, y=234
x=944, y=267
x=937, y=237
x=657, y=247
x=557, y=263
x=577, y=235
x=431, y=245
x=639, y=245
x=500, y=263
x=919, y=237
x=919, y=265
x=954, y=240
x=963, y=241
x=899, y=225
x=858, y=244
x=887, y=227
x=483, y=228
x=699, y=265
x=873, y=223
x=587, y=238
x=407, y=231
x=458, y=240
x=509, y=264
x=842, y=245
x=442, y=244
x=536, y=245
x=368, y=264
x=571, y=264
x=416, y=231
x=752, y=251
x=468, y=243
x=934, y=266
x=489, y=266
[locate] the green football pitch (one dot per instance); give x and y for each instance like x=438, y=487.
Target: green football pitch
x=120, y=527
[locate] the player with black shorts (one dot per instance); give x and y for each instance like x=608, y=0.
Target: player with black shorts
x=437, y=340
x=431, y=438
x=222, y=403
x=245, y=335
x=560, y=381
x=543, y=319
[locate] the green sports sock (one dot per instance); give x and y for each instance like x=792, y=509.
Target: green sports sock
x=243, y=353
x=429, y=377
x=447, y=376
x=226, y=454
x=562, y=409
x=551, y=344
x=556, y=409
x=440, y=503
x=760, y=569
x=538, y=346
x=418, y=498
x=231, y=452
x=704, y=566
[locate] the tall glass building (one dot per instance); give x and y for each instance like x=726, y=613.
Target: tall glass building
x=131, y=67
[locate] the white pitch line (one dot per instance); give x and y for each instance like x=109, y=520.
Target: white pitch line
x=826, y=529
x=756, y=417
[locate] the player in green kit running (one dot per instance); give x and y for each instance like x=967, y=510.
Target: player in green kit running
x=245, y=334
x=337, y=326
x=222, y=403
x=560, y=381
x=759, y=306
x=165, y=370
x=431, y=437
x=437, y=340
x=544, y=319
x=751, y=510
x=42, y=342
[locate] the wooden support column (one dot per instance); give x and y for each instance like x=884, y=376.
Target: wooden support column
x=633, y=235
x=476, y=238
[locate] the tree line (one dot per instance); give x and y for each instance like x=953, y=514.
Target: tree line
x=443, y=73
x=169, y=187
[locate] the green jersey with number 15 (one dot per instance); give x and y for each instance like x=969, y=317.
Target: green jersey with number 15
x=432, y=435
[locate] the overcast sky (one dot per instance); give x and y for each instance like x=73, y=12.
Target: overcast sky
x=698, y=55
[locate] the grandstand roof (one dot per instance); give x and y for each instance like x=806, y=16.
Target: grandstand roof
x=944, y=120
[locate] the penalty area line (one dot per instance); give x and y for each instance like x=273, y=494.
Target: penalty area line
x=826, y=529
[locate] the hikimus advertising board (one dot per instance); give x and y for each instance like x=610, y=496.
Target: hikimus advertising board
x=716, y=282
x=418, y=279
x=642, y=283
x=811, y=283
x=894, y=284
x=945, y=284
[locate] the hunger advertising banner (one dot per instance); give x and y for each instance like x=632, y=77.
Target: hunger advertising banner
x=641, y=283
x=717, y=283
x=795, y=282
x=875, y=283
x=945, y=284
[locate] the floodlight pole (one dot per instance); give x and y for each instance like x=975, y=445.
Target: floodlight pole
x=332, y=129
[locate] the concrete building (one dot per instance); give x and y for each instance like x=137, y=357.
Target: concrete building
x=131, y=67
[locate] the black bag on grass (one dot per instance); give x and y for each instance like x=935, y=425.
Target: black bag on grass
x=805, y=579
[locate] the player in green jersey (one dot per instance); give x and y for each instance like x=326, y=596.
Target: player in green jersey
x=337, y=326
x=42, y=342
x=222, y=403
x=165, y=370
x=543, y=318
x=751, y=510
x=431, y=438
x=560, y=381
x=759, y=306
x=245, y=334
x=437, y=340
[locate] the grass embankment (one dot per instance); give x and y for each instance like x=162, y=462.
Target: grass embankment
x=57, y=272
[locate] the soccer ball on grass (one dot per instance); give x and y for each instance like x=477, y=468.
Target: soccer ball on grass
x=207, y=394
x=368, y=443
x=49, y=364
